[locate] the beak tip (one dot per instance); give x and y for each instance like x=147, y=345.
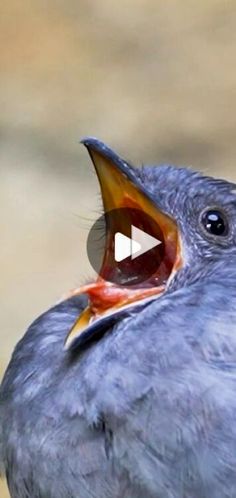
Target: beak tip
x=93, y=143
x=98, y=151
x=68, y=341
x=96, y=148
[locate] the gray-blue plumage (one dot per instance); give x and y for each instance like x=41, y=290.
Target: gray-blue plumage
x=148, y=411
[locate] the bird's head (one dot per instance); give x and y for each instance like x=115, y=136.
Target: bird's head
x=193, y=216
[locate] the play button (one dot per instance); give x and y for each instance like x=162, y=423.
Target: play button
x=126, y=246
x=139, y=243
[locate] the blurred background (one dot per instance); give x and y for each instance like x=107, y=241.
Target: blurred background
x=154, y=79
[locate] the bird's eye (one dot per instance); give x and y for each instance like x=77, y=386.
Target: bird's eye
x=215, y=222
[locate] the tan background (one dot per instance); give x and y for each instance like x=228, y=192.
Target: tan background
x=155, y=79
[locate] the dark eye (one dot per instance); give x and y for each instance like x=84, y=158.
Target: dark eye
x=215, y=222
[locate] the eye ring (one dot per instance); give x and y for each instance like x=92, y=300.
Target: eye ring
x=215, y=223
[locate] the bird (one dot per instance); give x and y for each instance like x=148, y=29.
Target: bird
x=129, y=391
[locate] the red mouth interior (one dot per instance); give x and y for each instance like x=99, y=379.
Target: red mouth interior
x=153, y=268
x=129, y=280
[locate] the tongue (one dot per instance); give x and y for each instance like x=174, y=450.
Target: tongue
x=104, y=295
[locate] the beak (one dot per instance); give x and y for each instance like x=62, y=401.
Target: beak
x=122, y=190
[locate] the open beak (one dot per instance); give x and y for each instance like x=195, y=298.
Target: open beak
x=110, y=297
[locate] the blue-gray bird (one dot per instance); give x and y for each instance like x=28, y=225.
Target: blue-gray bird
x=130, y=391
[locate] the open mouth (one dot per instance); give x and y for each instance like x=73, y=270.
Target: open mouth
x=130, y=282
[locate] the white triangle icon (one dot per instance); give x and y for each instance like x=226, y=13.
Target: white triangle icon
x=139, y=243
x=144, y=240
x=124, y=246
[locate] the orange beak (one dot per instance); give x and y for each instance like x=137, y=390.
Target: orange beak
x=120, y=189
